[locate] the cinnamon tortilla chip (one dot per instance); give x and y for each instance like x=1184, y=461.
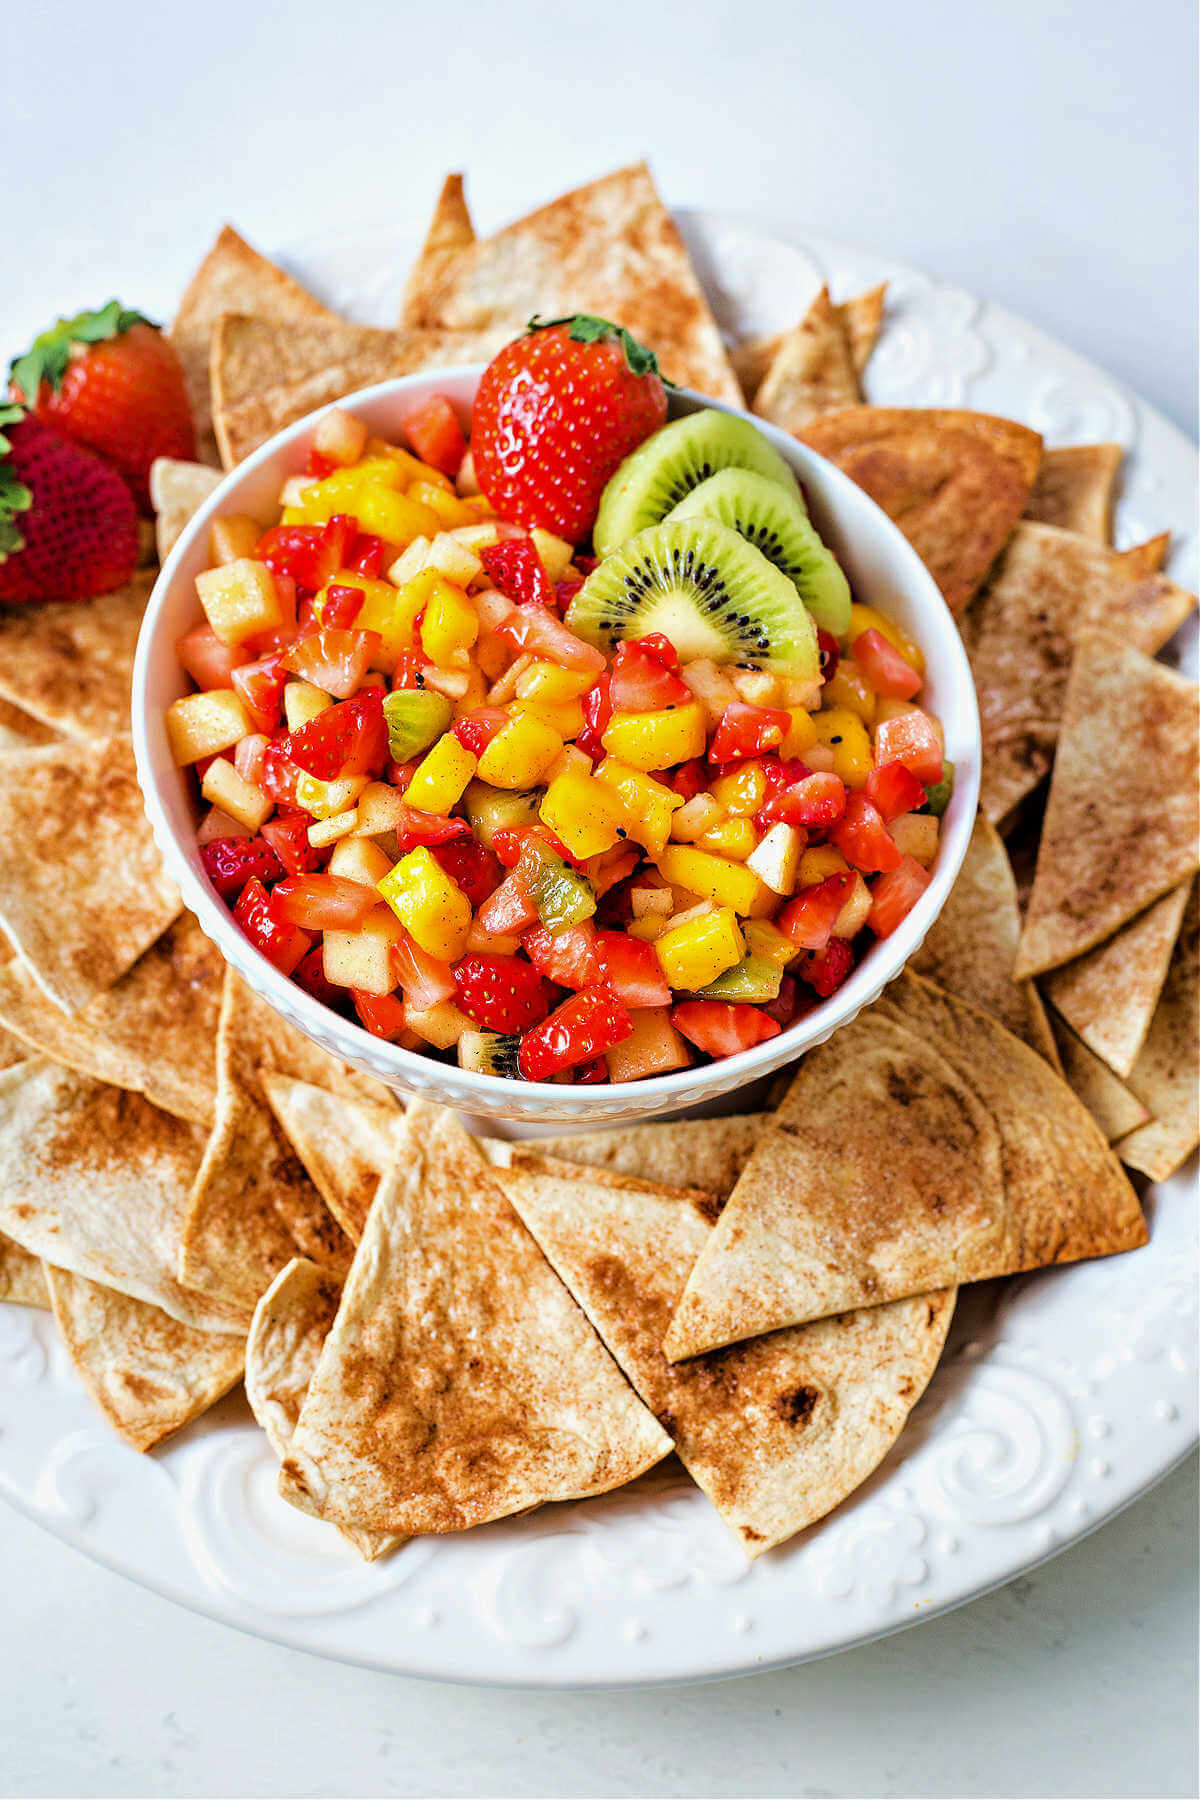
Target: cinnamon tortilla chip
x=708, y=1154
x=69, y=663
x=154, y=1031
x=19, y=730
x=1122, y=818
x=149, y=1375
x=232, y=278
x=1147, y=558
x=450, y=232
x=177, y=490
x=811, y=372
x=923, y=1146
x=1115, y=1109
x=1108, y=995
x=1074, y=489
x=22, y=1276
x=460, y=1382
x=345, y=1145
x=82, y=890
x=955, y=483
x=1166, y=1076
x=287, y=1335
x=610, y=248
x=95, y=1180
x=1049, y=587
x=861, y=317
x=778, y=1431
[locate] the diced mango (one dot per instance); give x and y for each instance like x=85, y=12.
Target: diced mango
x=714, y=878
x=694, y=954
x=818, y=864
x=865, y=618
x=224, y=787
x=766, y=940
x=240, y=600
x=431, y=907
x=325, y=798
x=520, y=753
x=387, y=610
x=588, y=816
x=565, y=717
x=449, y=622
x=205, y=724
x=849, y=687
x=546, y=683
x=441, y=776
x=648, y=804
x=801, y=733
x=735, y=838
x=443, y=504
x=358, y=859
x=657, y=740
x=847, y=737
x=302, y=702
x=742, y=791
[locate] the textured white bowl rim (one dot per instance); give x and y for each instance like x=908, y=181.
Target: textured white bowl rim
x=413, y=1072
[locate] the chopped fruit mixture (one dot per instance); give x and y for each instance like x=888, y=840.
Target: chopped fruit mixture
x=559, y=745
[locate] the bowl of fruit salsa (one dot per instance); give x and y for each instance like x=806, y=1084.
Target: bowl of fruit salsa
x=552, y=742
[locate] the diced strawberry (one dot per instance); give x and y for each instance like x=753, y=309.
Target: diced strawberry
x=817, y=801
x=230, y=862
x=809, y=919
x=597, y=711
x=410, y=669
x=381, y=1014
x=720, y=1029
x=829, y=654
x=309, y=974
x=567, y=958
x=632, y=969
x=287, y=834
x=208, y=661
x=415, y=827
x=641, y=682
x=334, y=661
x=912, y=740
x=321, y=902
x=886, y=670
x=779, y=774
x=425, y=980
x=590, y=1074
x=690, y=778
x=310, y=554
x=436, y=435
x=318, y=466
x=583, y=1027
x=863, y=838
x=540, y=631
x=655, y=643
x=892, y=790
x=280, y=775
x=261, y=685
x=510, y=910
x=564, y=593
x=502, y=993
x=746, y=730
x=366, y=553
x=473, y=868
x=610, y=875
x=516, y=568
x=282, y=945
x=341, y=606
x=248, y=757
x=783, y=1008
x=476, y=730
x=509, y=841
x=825, y=970
x=895, y=894
x=348, y=739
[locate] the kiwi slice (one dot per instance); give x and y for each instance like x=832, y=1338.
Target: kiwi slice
x=490, y=1053
x=674, y=461
x=708, y=590
x=493, y=809
x=775, y=519
x=415, y=717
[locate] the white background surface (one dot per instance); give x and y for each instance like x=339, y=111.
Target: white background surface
x=1040, y=153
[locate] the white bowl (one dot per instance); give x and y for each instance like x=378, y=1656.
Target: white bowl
x=883, y=569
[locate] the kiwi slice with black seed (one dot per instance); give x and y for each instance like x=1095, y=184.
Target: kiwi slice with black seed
x=490, y=1053
x=705, y=588
x=671, y=463
x=775, y=519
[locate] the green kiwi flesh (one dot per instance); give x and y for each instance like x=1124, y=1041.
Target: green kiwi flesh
x=708, y=590
x=776, y=521
x=673, y=461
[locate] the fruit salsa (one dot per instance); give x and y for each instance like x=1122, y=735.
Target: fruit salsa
x=560, y=747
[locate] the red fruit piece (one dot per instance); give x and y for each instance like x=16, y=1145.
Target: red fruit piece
x=746, y=730
x=111, y=381
x=261, y=686
x=516, y=568
x=415, y=827
x=502, y=993
x=472, y=867
x=365, y=556
x=632, y=969
x=321, y=902
x=809, y=919
x=280, y=775
x=348, y=739
x=476, y=731
x=425, y=980
x=863, y=838
x=567, y=958
x=282, y=945
x=68, y=523
x=690, y=778
x=583, y=1027
x=510, y=910
x=817, y=801
x=829, y=654
x=597, y=711
x=208, y=661
x=287, y=834
x=341, y=606
x=642, y=682
x=555, y=413
x=334, y=661
x=720, y=1029
x=895, y=894
x=912, y=740
x=309, y=973
x=893, y=790
x=310, y=554
x=436, y=435
x=230, y=862
x=888, y=672
x=381, y=1014
x=825, y=970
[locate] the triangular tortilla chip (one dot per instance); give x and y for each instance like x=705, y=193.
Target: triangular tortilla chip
x=232, y=278
x=95, y=1180
x=460, y=1382
x=923, y=1146
x=1166, y=1076
x=22, y=1276
x=148, y=1374
x=971, y=946
x=1074, y=489
x=253, y=1207
x=1109, y=995
x=450, y=232
x=708, y=1154
x=154, y=1031
x=177, y=490
x=82, y=888
x=287, y=1335
x=861, y=317
x=1115, y=1109
x=954, y=482
x=19, y=730
x=345, y=1145
x=1147, y=558
x=1122, y=818
x=69, y=663
x=610, y=248
x=1049, y=587
x=812, y=371
x=776, y=1432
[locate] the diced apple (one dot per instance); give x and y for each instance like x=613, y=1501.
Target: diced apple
x=710, y=685
x=224, y=787
x=240, y=600
x=232, y=537
x=358, y=859
x=695, y=817
x=777, y=858
x=363, y=958
x=328, y=831
x=653, y=1048
x=916, y=835
x=302, y=702
x=453, y=560
x=554, y=553
x=340, y=437
x=205, y=724
x=855, y=909
x=440, y=1025
x=219, y=824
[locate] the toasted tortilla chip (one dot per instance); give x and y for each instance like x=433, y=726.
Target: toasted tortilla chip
x=82, y=889
x=1109, y=995
x=1049, y=587
x=20, y=730
x=287, y=1335
x=811, y=372
x=460, y=1382
x=1074, y=489
x=1166, y=1076
x=971, y=946
x=68, y=664
x=177, y=490
x=1115, y=1109
x=923, y=1146
x=861, y=317
x=345, y=1145
x=778, y=1431
x=954, y=482
x=95, y=1179
x=148, y=1374
x=22, y=1276
x=153, y=1032
x=253, y=1207
x=232, y=278
x=1147, y=558
x=450, y=232
x=708, y=1154
x=1122, y=818
x=610, y=248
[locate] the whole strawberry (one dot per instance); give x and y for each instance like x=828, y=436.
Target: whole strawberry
x=555, y=413
x=113, y=382
x=68, y=523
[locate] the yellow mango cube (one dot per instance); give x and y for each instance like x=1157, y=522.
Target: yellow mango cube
x=657, y=740
x=390, y=612
x=240, y=600
x=222, y=786
x=849, y=688
x=714, y=878
x=588, y=817
x=648, y=804
x=818, y=864
x=441, y=776
x=565, y=717
x=431, y=907
x=443, y=504
x=545, y=683
x=742, y=791
x=848, y=738
x=801, y=734
x=521, y=753
x=205, y=724
x=449, y=622
x=697, y=952
x=735, y=838
x=766, y=940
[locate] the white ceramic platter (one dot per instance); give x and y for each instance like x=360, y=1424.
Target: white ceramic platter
x=1061, y=1397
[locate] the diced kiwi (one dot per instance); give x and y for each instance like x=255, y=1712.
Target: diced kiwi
x=674, y=461
x=754, y=979
x=562, y=895
x=415, y=717
x=490, y=1053
x=775, y=519
x=937, y=799
x=499, y=809
x=708, y=590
